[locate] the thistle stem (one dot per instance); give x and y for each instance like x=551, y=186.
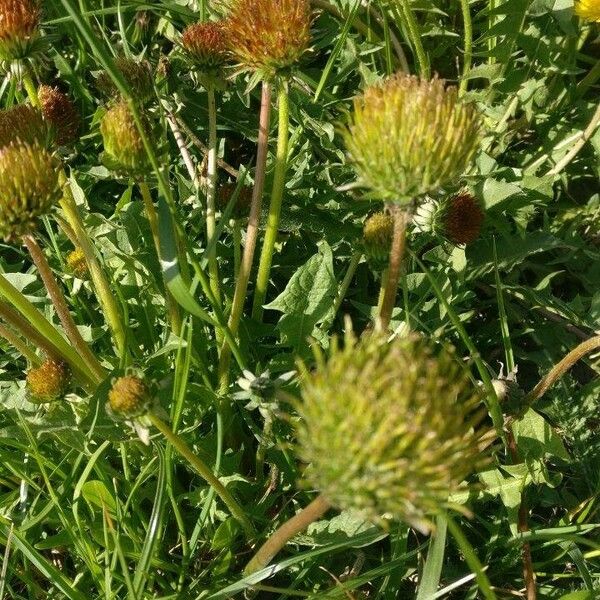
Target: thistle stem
x=205, y=472
x=237, y=248
x=43, y=331
x=396, y=256
x=243, y=278
x=152, y=216
x=468, y=50
x=269, y=550
x=14, y=340
x=415, y=37
x=31, y=90
x=108, y=302
x=62, y=310
x=266, y=258
x=211, y=193
x=345, y=285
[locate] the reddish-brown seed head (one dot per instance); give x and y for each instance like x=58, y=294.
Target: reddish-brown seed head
x=463, y=218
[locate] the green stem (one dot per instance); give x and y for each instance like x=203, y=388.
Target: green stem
x=205, y=472
x=31, y=90
x=393, y=277
x=345, y=285
x=269, y=550
x=62, y=310
x=108, y=302
x=241, y=286
x=471, y=559
x=237, y=248
x=45, y=329
x=152, y=216
x=266, y=257
x=415, y=37
x=468, y=53
x=14, y=340
x=211, y=192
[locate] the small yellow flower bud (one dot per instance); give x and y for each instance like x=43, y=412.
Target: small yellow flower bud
x=378, y=232
x=77, y=263
x=129, y=397
x=48, y=382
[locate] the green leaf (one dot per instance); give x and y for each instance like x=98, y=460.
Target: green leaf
x=97, y=494
x=536, y=438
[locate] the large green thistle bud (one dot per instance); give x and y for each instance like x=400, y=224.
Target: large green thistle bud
x=389, y=429
x=269, y=36
x=123, y=145
x=24, y=123
x=410, y=136
x=29, y=187
x=19, y=28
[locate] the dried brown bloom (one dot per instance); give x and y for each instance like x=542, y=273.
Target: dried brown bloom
x=60, y=113
x=205, y=44
x=269, y=36
x=462, y=219
x=19, y=28
x=48, y=382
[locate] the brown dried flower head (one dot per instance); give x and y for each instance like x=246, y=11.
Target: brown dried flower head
x=24, y=123
x=19, y=28
x=269, y=36
x=205, y=43
x=48, y=382
x=60, y=112
x=129, y=397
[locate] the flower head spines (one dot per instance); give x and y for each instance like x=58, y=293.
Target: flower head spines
x=589, y=10
x=48, y=382
x=124, y=149
x=410, y=136
x=25, y=124
x=378, y=231
x=137, y=75
x=60, y=112
x=129, y=397
x=206, y=45
x=389, y=428
x=29, y=188
x=269, y=36
x=19, y=28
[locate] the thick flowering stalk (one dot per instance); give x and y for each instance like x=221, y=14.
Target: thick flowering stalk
x=408, y=137
x=388, y=429
x=589, y=10
x=457, y=219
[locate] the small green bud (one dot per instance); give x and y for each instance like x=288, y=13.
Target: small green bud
x=378, y=232
x=410, y=136
x=137, y=75
x=77, y=263
x=29, y=188
x=123, y=146
x=48, y=382
x=60, y=113
x=19, y=28
x=129, y=397
x=24, y=123
x=389, y=428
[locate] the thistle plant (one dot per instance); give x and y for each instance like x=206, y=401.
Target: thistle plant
x=456, y=219
x=29, y=188
x=19, y=28
x=48, y=382
x=408, y=137
x=206, y=46
x=77, y=263
x=388, y=429
x=24, y=123
x=60, y=113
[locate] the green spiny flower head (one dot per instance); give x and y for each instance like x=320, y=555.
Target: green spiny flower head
x=389, y=429
x=24, y=123
x=457, y=219
x=48, y=382
x=410, y=136
x=123, y=145
x=29, y=187
x=378, y=232
x=206, y=45
x=268, y=36
x=129, y=397
x=137, y=75
x=19, y=28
